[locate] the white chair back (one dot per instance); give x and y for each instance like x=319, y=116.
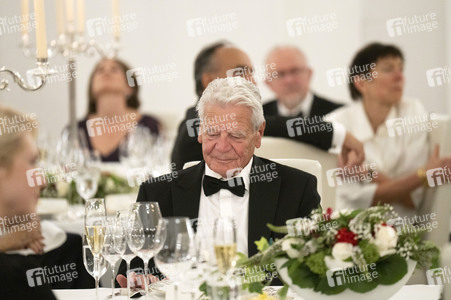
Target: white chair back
x=282, y=148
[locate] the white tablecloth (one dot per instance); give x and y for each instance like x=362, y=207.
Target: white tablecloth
x=408, y=292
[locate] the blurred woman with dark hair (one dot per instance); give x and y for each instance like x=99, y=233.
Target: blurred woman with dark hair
x=113, y=109
x=389, y=125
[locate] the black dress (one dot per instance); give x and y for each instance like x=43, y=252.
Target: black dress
x=34, y=276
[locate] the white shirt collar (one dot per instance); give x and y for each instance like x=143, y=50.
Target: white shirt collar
x=304, y=106
x=245, y=173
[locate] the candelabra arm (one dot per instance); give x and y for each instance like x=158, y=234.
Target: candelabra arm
x=19, y=80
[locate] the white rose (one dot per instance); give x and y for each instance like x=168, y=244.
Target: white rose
x=385, y=239
x=342, y=251
x=286, y=246
x=109, y=185
x=62, y=187
x=337, y=213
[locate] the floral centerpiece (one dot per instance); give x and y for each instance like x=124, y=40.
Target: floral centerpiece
x=108, y=184
x=344, y=253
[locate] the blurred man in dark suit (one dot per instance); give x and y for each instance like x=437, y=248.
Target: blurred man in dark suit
x=292, y=86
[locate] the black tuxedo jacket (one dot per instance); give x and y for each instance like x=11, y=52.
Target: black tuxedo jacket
x=291, y=194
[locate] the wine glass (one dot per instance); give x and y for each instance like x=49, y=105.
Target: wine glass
x=142, y=232
x=95, y=219
x=178, y=254
x=89, y=261
x=112, y=247
x=123, y=245
x=224, y=239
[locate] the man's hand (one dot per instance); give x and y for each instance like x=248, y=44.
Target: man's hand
x=352, y=153
x=136, y=281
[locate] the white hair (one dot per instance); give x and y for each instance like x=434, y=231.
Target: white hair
x=236, y=91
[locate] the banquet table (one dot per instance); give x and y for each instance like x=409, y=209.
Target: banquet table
x=407, y=292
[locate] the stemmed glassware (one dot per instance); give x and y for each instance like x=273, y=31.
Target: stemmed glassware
x=223, y=285
x=88, y=175
x=95, y=219
x=90, y=263
x=178, y=254
x=112, y=247
x=142, y=236
x=224, y=239
x=123, y=247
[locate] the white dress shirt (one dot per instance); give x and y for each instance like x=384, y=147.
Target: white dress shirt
x=225, y=204
x=394, y=156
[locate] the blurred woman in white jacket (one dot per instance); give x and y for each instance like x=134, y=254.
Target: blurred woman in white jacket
x=394, y=131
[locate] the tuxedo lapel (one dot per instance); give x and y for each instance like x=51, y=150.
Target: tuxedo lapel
x=186, y=192
x=263, y=198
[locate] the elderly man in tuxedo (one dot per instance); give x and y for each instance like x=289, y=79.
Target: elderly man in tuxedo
x=231, y=181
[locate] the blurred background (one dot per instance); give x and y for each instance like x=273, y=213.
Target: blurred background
x=163, y=34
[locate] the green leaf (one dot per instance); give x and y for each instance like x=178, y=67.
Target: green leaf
x=324, y=287
x=283, y=292
x=256, y=287
x=203, y=288
x=391, y=269
x=363, y=282
x=262, y=244
x=301, y=275
x=278, y=229
x=242, y=259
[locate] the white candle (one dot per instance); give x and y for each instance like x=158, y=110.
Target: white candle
x=116, y=29
x=70, y=15
x=41, y=38
x=25, y=18
x=60, y=17
x=81, y=16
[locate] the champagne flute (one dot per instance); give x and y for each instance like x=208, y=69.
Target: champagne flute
x=224, y=239
x=178, y=254
x=88, y=260
x=110, y=250
x=142, y=229
x=123, y=245
x=95, y=218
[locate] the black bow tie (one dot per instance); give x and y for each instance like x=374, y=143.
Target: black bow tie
x=213, y=185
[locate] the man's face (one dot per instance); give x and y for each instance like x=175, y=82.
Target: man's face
x=293, y=76
x=228, y=137
x=388, y=86
x=226, y=59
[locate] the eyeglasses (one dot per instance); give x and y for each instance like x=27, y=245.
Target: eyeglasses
x=295, y=72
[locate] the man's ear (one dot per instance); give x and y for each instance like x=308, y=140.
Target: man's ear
x=260, y=132
x=206, y=78
x=199, y=137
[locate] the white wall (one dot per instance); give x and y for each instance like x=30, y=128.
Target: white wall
x=161, y=38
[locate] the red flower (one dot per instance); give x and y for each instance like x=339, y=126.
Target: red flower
x=345, y=236
x=327, y=215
